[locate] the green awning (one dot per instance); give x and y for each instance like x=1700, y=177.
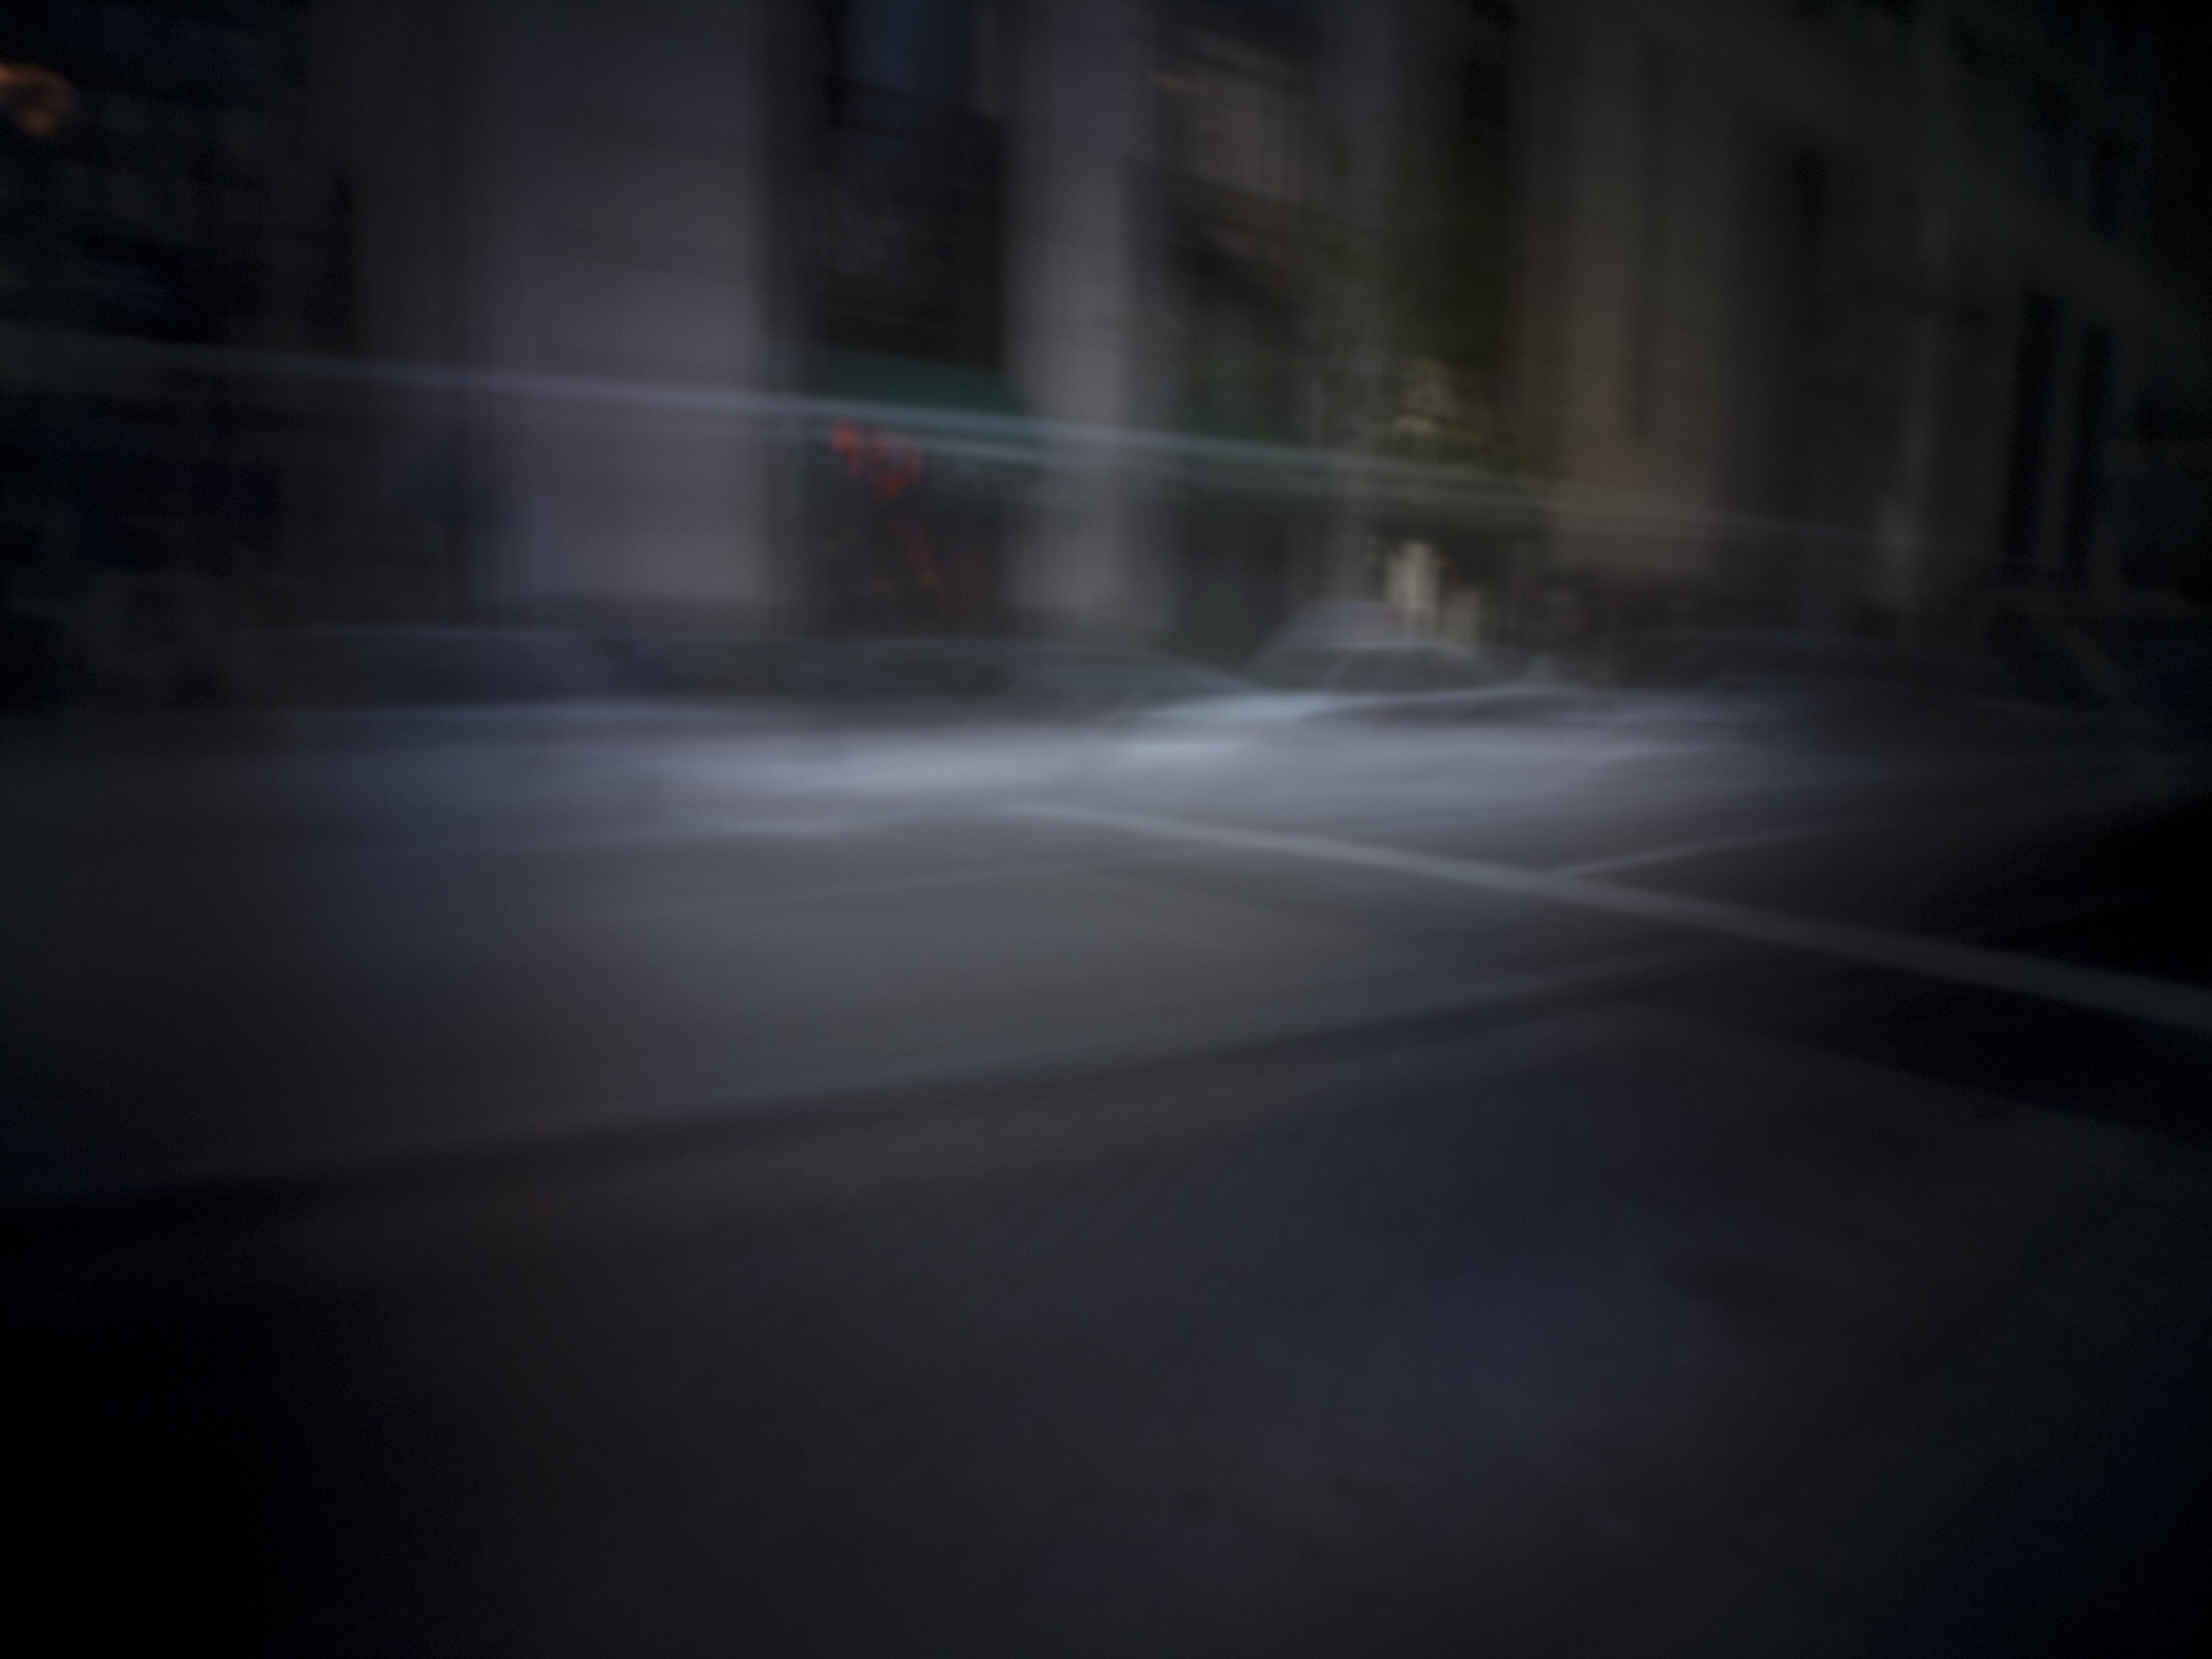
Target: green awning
x=974, y=430
x=874, y=378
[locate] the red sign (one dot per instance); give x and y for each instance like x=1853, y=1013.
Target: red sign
x=887, y=464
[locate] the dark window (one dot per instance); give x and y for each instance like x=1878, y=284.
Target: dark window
x=2031, y=415
x=22, y=481
x=903, y=214
x=2142, y=547
x=21, y=547
x=913, y=49
x=1283, y=25
x=2088, y=444
x=2107, y=188
x=2124, y=45
x=2050, y=144
x=130, y=483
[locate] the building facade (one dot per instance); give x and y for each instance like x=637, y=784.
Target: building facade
x=1838, y=315
x=166, y=211
x=1154, y=320
x=1913, y=278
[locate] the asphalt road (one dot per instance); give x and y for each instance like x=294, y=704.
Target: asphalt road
x=635, y=1182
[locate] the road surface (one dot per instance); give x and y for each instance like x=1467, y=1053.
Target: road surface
x=646, y=1183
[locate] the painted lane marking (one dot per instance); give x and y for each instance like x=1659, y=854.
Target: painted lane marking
x=2164, y=1002
x=1693, y=849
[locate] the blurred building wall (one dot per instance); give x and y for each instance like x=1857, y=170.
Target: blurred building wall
x=167, y=209
x=578, y=191
x=1887, y=272
x=1151, y=320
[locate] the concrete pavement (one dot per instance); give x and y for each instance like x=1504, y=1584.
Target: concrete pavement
x=857, y=1218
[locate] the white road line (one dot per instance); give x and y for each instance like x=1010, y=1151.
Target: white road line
x=1693, y=849
x=2082, y=806
x=2161, y=1002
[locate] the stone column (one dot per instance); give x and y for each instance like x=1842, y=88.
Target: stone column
x=1074, y=231
x=609, y=168
x=1361, y=106
x=1905, y=580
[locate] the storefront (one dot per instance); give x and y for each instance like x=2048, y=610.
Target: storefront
x=913, y=470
